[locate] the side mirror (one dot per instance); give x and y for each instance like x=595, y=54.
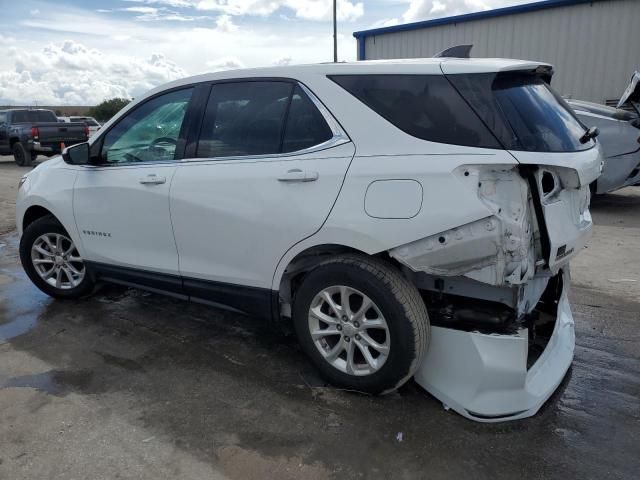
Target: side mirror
x=77, y=154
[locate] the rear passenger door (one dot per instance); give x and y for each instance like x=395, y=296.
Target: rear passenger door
x=269, y=163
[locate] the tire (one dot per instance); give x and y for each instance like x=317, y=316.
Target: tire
x=34, y=156
x=70, y=285
x=20, y=155
x=396, y=303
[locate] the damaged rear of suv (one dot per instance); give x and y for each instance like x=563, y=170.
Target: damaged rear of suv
x=512, y=187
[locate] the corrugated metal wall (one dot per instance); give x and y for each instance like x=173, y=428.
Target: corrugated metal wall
x=594, y=47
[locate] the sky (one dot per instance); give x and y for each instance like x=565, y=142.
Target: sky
x=81, y=52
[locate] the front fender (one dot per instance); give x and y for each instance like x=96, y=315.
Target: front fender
x=51, y=189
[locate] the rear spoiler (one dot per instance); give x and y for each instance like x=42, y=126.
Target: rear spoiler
x=457, y=51
x=632, y=93
x=542, y=70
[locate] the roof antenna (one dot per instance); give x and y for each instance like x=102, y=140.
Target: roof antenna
x=335, y=33
x=457, y=51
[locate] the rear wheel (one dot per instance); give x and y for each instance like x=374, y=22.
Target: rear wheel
x=362, y=323
x=52, y=261
x=20, y=155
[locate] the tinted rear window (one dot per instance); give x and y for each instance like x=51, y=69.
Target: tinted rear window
x=523, y=111
x=33, y=116
x=425, y=106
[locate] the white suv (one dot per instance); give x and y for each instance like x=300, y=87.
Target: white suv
x=412, y=218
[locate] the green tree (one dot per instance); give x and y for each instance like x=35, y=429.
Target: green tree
x=107, y=109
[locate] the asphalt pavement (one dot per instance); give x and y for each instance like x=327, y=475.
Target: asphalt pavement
x=128, y=384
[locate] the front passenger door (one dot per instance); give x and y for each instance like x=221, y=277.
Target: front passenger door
x=121, y=205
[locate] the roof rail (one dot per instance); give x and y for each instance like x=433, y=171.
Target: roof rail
x=457, y=51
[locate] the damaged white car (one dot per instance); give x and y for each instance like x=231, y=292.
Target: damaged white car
x=619, y=137
x=412, y=218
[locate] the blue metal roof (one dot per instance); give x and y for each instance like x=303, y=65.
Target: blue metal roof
x=468, y=17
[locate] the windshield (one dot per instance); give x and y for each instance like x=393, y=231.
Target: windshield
x=523, y=111
x=33, y=116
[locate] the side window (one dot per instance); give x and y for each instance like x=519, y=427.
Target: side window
x=260, y=118
x=424, y=106
x=148, y=133
x=3, y=117
x=306, y=126
x=244, y=118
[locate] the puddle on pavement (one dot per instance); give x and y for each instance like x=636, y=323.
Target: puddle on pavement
x=20, y=305
x=16, y=327
x=53, y=382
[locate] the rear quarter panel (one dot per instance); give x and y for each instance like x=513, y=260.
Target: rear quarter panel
x=449, y=200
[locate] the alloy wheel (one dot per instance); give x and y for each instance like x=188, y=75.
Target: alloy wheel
x=349, y=330
x=57, y=261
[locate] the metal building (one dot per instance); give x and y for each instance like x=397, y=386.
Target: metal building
x=594, y=45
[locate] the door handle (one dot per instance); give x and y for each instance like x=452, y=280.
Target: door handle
x=152, y=180
x=297, y=175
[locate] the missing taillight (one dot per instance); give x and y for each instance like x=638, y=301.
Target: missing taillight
x=548, y=183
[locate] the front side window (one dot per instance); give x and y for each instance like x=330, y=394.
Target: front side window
x=424, y=106
x=523, y=111
x=148, y=133
x=260, y=118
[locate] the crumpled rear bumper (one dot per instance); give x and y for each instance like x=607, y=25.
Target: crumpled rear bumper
x=484, y=377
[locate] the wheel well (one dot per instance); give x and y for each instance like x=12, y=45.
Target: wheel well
x=13, y=141
x=306, y=261
x=34, y=213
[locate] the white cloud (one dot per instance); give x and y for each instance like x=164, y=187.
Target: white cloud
x=148, y=10
x=34, y=11
x=427, y=9
x=170, y=3
x=305, y=9
x=282, y=61
x=69, y=73
x=146, y=14
x=225, y=24
x=5, y=41
x=224, y=63
x=113, y=54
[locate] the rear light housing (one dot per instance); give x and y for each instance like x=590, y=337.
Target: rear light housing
x=35, y=133
x=86, y=131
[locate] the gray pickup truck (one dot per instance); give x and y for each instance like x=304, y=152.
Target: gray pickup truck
x=27, y=133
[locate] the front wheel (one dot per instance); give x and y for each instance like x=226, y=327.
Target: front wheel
x=362, y=323
x=52, y=261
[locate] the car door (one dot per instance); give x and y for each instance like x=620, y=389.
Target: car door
x=121, y=204
x=269, y=165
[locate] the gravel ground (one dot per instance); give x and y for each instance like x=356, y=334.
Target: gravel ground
x=128, y=384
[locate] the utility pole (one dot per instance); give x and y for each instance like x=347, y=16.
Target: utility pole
x=335, y=33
